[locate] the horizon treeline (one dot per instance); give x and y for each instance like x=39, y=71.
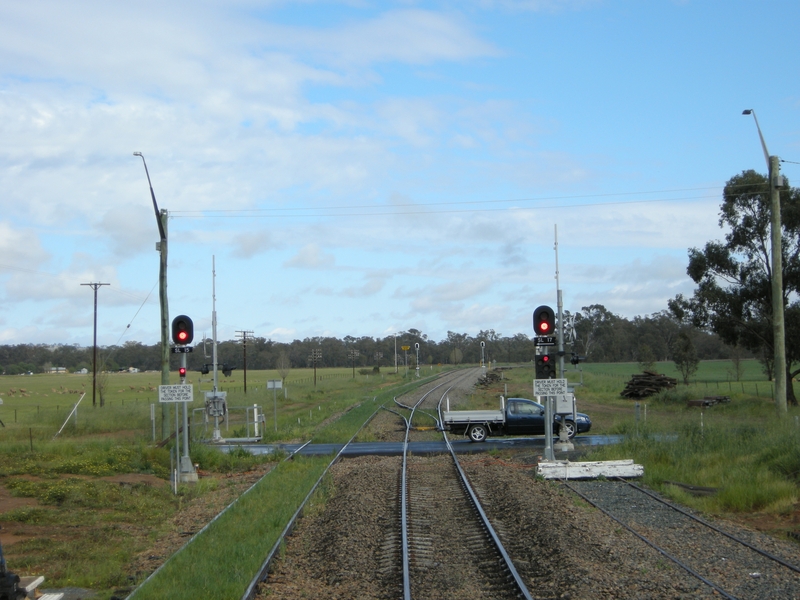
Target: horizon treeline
x=600, y=336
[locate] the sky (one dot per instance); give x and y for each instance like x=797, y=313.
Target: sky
x=363, y=168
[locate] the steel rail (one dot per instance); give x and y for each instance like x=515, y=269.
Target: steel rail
x=509, y=564
x=653, y=545
x=745, y=543
x=404, y=494
x=263, y=572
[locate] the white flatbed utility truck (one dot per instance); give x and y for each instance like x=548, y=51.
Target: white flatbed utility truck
x=517, y=416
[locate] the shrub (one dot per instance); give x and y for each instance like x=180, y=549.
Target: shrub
x=673, y=396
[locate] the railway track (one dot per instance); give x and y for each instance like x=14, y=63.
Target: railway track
x=728, y=565
x=256, y=587
x=354, y=547
x=431, y=538
x=448, y=542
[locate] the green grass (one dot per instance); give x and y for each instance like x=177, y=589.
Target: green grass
x=38, y=416
x=78, y=508
x=708, y=370
x=755, y=465
x=741, y=448
x=237, y=543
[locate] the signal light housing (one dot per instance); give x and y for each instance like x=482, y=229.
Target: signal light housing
x=182, y=330
x=544, y=321
x=182, y=373
x=545, y=367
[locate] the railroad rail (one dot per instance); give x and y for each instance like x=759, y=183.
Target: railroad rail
x=263, y=573
x=731, y=566
x=418, y=489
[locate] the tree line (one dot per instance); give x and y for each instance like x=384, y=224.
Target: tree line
x=601, y=336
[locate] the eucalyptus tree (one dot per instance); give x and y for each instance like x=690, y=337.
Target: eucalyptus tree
x=734, y=277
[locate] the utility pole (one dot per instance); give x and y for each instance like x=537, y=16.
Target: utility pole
x=94, y=286
x=778, y=327
x=315, y=357
x=353, y=355
x=243, y=335
x=161, y=247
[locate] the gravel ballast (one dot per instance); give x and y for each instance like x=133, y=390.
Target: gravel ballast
x=562, y=547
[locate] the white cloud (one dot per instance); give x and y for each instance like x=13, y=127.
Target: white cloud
x=20, y=248
x=410, y=36
x=372, y=286
x=281, y=334
x=427, y=148
x=311, y=257
x=251, y=243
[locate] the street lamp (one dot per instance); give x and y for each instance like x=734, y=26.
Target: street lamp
x=778, y=328
x=161, y=247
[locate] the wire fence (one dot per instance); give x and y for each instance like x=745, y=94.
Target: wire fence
x=759, y=389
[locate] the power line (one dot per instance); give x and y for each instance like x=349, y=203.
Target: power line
x=455, y=202
x=431, y=207
x=384, y=211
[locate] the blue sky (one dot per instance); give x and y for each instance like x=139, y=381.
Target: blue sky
x=361, y=168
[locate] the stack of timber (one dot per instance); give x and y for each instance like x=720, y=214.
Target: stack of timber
x=646, y=384
x=709, y=401
x=489, y=379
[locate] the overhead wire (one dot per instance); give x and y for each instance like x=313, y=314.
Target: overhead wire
x=427, y=209
x=105, y=358
x=459, y=202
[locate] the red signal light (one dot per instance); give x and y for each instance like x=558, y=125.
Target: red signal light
x=546, y=358
x=182, y=371
x=182, y=330
x=544, y=322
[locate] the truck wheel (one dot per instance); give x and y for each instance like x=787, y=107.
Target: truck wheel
x=477, y=433
x=571, y=429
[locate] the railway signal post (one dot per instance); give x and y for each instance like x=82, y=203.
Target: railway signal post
x=182, y=336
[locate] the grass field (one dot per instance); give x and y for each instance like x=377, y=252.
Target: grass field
x=742, y=448
x=64, y=493
x=35, y=407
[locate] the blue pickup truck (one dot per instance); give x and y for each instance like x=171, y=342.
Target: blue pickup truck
x=518, y=416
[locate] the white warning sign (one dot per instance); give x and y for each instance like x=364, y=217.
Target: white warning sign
x=549, y=387
x=175, y=393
